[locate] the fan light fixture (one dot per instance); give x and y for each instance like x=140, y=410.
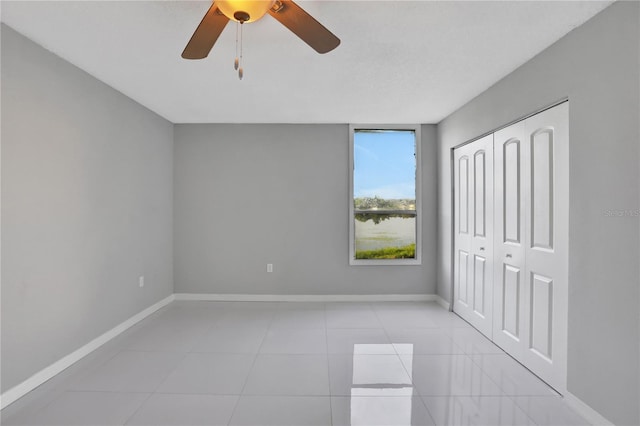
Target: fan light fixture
x=244, y=11
x=287, y=12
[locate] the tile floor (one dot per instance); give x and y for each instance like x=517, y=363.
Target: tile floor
x=234, y=363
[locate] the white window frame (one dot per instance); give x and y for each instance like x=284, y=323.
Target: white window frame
x=378, y=262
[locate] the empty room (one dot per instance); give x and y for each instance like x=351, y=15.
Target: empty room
x=307, y=212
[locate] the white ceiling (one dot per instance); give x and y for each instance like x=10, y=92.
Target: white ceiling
x=399, y=61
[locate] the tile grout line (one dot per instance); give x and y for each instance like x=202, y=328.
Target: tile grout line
x=161, y=382
x=137, y=410
x=504, y=394
x=182, y=358
x=404, y=367
x=326, y=343
x=64, y=387
x=399, y=355
x=255, y=358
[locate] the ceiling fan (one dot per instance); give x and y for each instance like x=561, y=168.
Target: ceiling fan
x=286, y=12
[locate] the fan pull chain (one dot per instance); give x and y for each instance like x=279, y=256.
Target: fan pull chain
x=240, y=69
x=236, y=63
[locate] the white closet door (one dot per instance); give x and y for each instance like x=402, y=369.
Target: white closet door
x=547, y=225
x=531, y=243
x=473, y=216
x=509, y=245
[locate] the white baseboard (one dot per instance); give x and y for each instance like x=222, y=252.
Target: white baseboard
x=440, y=301
x=591, y=415
x=309, y=297
x=47, y=373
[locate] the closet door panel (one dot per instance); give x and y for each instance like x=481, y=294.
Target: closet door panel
x=463, y=194
x=463, y=277
x=547, y=220
x=541, y=319
x=473, y=233
x=542, y=180
x=479, y=285
x=461, y=229
x=511, y=196
x=480, y=193
x=482, y=241
x=511, y=302
x=509, y=241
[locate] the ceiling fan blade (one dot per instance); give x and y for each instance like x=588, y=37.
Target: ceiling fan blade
x=304, y=26
x=206, y=34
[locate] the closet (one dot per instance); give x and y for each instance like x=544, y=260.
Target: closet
x=511, y=202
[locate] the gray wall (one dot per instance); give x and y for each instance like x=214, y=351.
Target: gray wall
x=248, y=195
x=86, y=208
x=596, y=66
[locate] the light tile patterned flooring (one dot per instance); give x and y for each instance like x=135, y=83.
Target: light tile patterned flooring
x=236, y=363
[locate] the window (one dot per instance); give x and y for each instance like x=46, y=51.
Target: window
x=384, y=212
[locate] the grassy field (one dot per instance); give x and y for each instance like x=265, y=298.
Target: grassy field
x=406, y=252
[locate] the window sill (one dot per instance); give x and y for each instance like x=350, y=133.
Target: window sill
x=384, y=262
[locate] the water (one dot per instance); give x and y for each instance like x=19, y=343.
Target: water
x=391, y=232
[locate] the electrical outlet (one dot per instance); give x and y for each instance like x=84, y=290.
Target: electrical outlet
x=141, y=281
x=269, y=267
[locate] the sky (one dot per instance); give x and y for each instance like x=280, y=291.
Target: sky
x=384, y=164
